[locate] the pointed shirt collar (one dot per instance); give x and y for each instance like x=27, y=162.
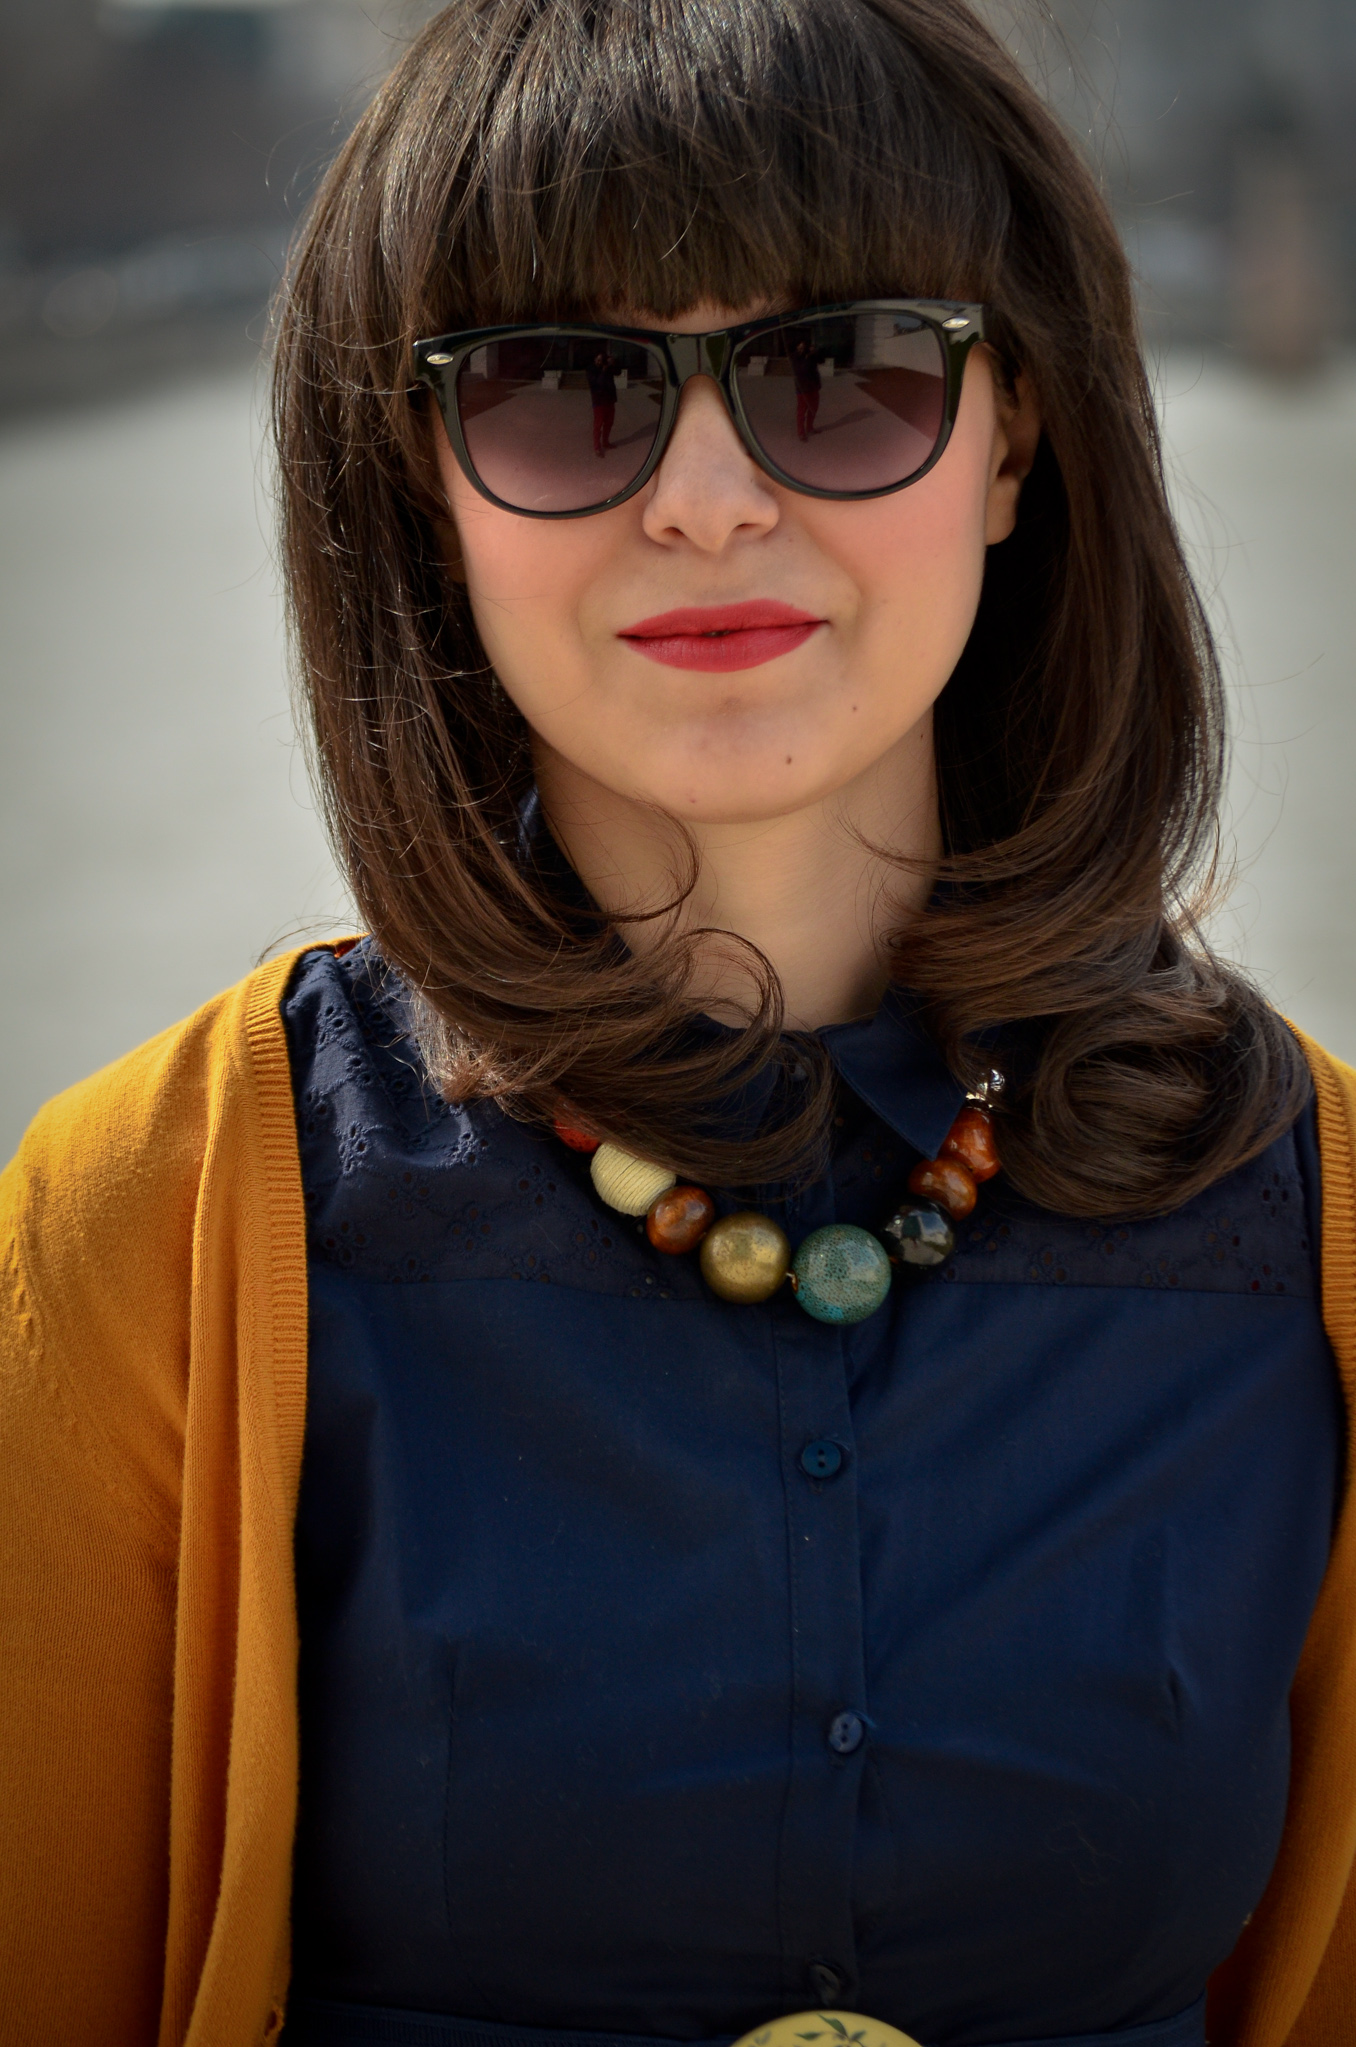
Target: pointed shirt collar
x=891, y=1062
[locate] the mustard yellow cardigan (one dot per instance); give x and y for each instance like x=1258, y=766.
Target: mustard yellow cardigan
x=152, y=1396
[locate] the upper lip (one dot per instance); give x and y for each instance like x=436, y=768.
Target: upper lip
x=692, y=621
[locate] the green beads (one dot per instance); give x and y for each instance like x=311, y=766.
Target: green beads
x=841, y=1273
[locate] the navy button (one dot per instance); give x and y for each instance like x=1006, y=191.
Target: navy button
x=846, y=1732
x=822, y=1459
x=825, y=1982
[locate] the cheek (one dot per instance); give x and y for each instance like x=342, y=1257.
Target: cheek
x=918, y=557
x=527, y=579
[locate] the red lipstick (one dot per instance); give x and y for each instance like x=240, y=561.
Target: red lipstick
x=721, y=636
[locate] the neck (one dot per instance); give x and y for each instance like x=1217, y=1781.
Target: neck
x=817, y=891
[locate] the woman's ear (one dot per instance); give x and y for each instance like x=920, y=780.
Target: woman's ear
x=1016, y=437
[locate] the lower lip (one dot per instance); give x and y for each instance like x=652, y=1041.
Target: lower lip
x=748, y=648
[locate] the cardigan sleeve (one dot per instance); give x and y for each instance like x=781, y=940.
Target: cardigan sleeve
x=96, y=1234
x=152, y=1403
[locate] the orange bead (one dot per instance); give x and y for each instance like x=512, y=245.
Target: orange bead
x=971, y=1140
x=679, y=1220
x=946, y=1182
x=578, y=1140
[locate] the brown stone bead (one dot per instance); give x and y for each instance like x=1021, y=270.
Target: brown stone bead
x=679, y=1220
x=971, y=1140
x=947, y=1182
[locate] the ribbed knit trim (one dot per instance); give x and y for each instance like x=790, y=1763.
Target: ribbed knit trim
x=1336, y=1142
x=285, y=1226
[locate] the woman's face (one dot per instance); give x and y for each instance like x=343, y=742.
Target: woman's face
x=877, y=599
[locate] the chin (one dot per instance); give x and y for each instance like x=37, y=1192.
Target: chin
x=756, y=797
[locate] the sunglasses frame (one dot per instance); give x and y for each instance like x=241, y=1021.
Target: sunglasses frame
x=957, y=324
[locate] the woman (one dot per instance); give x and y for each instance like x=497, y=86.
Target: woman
x=602, y=382
x=684, y=1644
x=805, y=370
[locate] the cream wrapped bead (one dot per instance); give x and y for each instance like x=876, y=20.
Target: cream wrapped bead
x=627, y=1183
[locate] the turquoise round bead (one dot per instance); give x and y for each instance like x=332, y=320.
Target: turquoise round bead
x=842, y=1273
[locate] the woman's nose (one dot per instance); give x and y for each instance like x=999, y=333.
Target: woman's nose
x=707, y=487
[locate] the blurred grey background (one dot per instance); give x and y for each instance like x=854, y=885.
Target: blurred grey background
x=157, y=830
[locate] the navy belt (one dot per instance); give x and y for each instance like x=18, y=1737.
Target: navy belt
x=318, y=2022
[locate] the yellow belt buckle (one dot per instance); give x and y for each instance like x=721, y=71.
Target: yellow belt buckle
x=826, y=2029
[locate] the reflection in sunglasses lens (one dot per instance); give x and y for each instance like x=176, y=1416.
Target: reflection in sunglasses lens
x=556, y=423
x=846, y=403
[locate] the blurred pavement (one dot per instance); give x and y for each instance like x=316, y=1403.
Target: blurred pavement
x=156, y=829
x=1264, y=475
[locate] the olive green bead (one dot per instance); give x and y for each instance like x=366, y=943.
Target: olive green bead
x=745, y=1257
x=842, y=1273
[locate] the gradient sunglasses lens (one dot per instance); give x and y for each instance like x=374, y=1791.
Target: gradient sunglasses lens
x=561, y=422
x=851, y=402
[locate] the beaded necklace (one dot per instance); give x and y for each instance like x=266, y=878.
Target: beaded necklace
x=841, y=1273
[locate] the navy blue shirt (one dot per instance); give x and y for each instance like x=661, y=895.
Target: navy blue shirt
x=668, y=1664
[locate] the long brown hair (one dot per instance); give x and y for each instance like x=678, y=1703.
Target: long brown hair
x=549, y=158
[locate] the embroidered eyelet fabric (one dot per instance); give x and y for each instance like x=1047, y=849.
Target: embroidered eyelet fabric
x=619, y=1715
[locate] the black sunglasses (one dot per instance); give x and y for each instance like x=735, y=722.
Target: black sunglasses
x=844, y=401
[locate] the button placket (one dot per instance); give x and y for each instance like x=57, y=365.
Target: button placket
x=827, y=1648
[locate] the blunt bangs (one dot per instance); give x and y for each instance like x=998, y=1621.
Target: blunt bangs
x=653, y=155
